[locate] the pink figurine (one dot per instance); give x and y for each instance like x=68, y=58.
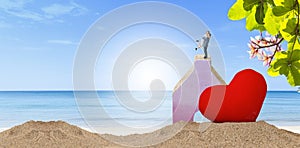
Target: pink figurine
x=187, y=91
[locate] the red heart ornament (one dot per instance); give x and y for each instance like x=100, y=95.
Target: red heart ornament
x=240, y=101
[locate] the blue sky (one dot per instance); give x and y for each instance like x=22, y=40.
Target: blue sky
x=39, y=39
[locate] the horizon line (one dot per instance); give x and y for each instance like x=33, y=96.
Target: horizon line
x=70, y=90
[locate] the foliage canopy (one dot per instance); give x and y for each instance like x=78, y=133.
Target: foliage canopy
x=279, y=19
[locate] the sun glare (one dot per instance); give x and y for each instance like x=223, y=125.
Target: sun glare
x=147, y=71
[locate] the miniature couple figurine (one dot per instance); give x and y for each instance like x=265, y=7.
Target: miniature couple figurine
x=204, y=43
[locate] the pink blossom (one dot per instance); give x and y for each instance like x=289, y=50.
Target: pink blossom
x=265, y=58
x=264, y=47
x=253, y=51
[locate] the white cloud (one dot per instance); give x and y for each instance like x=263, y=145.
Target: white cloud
x=59, y=9
x=16, y=8
x=64, y=42
x=26, y=15
x=19, y=9
x=9, y=4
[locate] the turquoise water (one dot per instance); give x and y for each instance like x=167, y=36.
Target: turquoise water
x=280, y=108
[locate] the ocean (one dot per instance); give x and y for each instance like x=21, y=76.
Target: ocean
x=281, y=108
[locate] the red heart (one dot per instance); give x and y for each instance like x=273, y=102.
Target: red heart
x=240, y=101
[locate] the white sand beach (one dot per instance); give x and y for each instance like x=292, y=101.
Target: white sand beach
x=59, y=133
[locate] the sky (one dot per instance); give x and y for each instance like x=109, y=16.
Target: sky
x=39, y=41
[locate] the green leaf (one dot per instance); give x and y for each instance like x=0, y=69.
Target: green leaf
x=277, y=66
x=271, y=22
x=279, y=2
x=287, y=29
x=251, y=23
x=284, y=7
x=295, y=56
x=249, y=4
x=294, y=74
x=285, y=3
x=260, y=13
x=296, y=64
x=237, y=11
x=297, y=45
x=288, y=3
x=279, y=63
x=293, y=44
x=288, y=64
x=290, y=26
x=271, y=2
x=284, y=69
x=280, y=10
x=272, y=72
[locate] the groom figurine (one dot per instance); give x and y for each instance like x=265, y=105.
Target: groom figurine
x=204, y=43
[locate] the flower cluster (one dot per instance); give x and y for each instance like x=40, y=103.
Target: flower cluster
x=264, y=47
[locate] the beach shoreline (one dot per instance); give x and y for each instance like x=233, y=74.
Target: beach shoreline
x=57, y=133
x=294, y=129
